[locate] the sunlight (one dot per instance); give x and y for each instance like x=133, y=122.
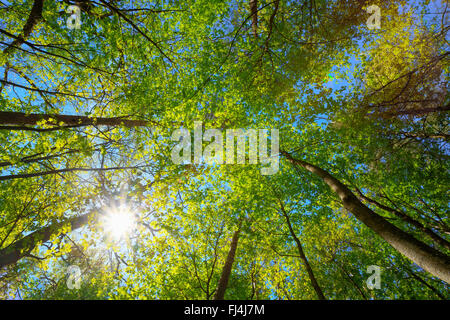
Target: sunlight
x=119, y=222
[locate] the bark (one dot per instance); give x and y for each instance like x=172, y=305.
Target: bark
x=33, y=19
x=428, y=258
x=22, y=248
x=305, y=261
x=228, y=266
x=20, y=120
x=254, y=13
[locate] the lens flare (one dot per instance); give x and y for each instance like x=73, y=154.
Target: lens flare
x=119, y=222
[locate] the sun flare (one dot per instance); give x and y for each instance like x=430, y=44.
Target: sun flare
x=119, y=222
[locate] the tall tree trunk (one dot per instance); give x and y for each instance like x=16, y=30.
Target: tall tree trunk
x=22, y=248
x=21, y=119
x=428, y=258
x=228, y=266
x=33, y=19
x=254, y=13
x=312, y=278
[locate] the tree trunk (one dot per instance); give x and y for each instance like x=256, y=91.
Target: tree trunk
x=312, y=278
x=254, y=13
x=428, y=258
x=228, y=266
x=21, y=119
x=33, y=19
x=22, y=248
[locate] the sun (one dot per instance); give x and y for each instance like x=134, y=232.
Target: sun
x=119, y=221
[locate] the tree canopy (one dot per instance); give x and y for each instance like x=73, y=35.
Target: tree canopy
x=351, y=118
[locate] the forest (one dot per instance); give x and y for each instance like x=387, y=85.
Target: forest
x=224, y=150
